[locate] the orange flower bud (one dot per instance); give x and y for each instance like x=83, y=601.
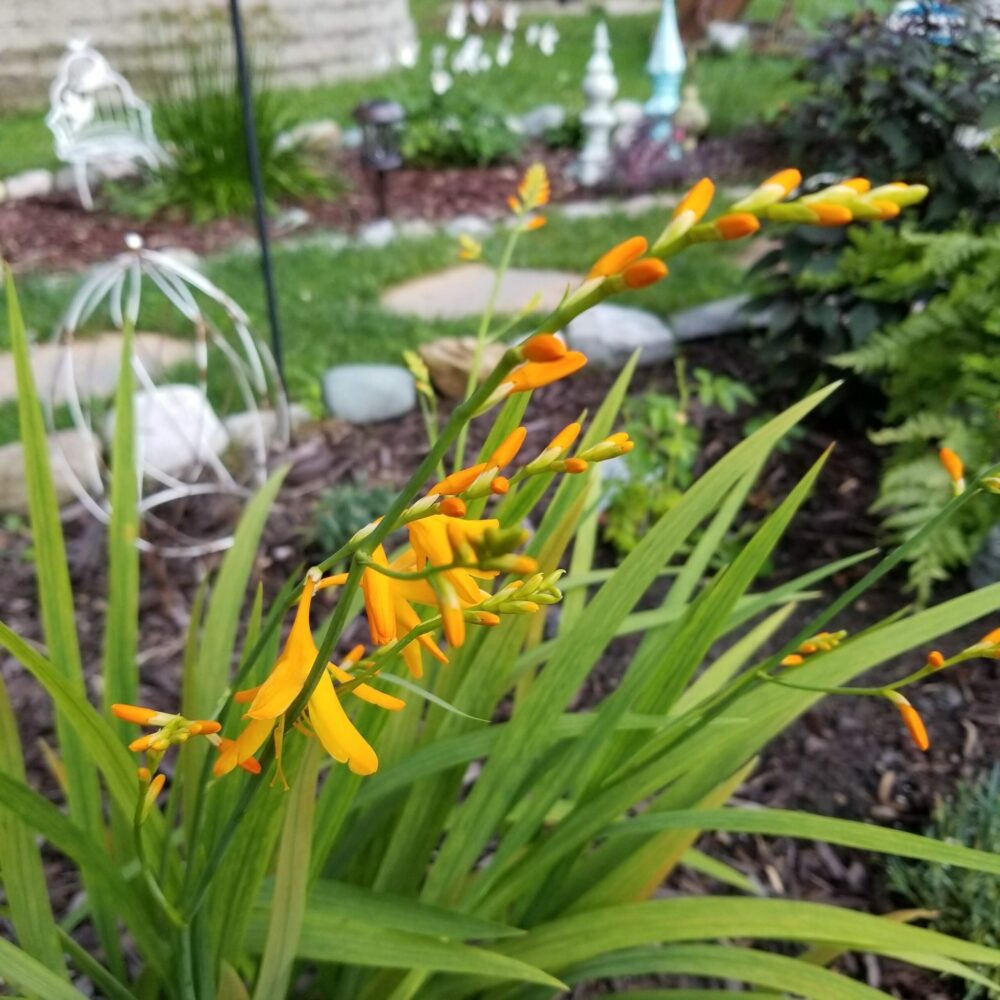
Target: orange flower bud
x=575, y=465
x=534, y=375
x=644, y=272
x=514, y=204
x=508, y=449
x=697, y=201
x=142, y=744
x=524, y=566
x=143, y=775
x=500, y=486
x=565, y=438
x=788, y=180
x=793, y=660
x=535, y=223
x=203, y=728
x=860, y=184
x=911, y=719
x=543, y=347
x=135, y=713
x=935, y=660
x=886, y=209
x=952, y=465
x=991, y=638
x=452, y=507
x=482, y=617
x=458, y=482
x=736, y=225
x=831, y=215
x=619, y=257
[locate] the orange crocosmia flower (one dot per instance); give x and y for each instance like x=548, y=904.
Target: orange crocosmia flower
x=618, y=258
x=453, y=507
x=536, y=222
x=697, y=201
x=459, y=482
x=828, y=214
x=508, y=449
x=543, y=347
x=575, y=465
x=935, y=660
x=645, y=272
x=565, y=439
x=991, y=638
x=534, y=375
x=914, y=724
x=534, y=188
x=513, y=204
x=952, y=464
x=377, y=590
x=500, y=486
x=736, y=225
x=785, y=180
x=860, y=184
x=886, y=209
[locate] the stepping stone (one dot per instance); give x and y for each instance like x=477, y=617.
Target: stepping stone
x=449, y=361
x=75, y=456
x=366, y=394
x=715, y=319
x=609, y=334
x=94, y=364
x=464, y=291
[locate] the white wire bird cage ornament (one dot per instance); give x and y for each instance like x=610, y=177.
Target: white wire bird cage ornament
x=206, y=459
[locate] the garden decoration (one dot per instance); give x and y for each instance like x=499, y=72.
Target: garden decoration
x=97, y=120
x=600, y=87
x=406, y=873
x=666, y=67
x=941, y=23
x=381, y=124
x=181, y=441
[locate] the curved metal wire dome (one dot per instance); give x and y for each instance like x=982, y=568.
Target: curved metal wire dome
x=221, y=335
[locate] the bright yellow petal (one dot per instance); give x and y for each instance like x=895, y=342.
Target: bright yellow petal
x=336, y=732
x=235, y=752
x=366, y=692
x=377, y=589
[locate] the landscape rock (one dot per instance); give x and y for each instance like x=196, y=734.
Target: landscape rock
x=535, y=123
x=377, y=234
x=728, y=36
x=75, y=456
x=468, y=225
x=715, y=319
x=29, y=184
x=608, y=335
x=464, y=290
x=449, y=361
x=351, y=138
x=175, y=429
x=290, y=219
x=321, y=136
x=367, y=394
x=416, y=229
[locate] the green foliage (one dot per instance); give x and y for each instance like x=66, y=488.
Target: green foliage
x=455, y=130
x=200, y=121
x=887, y=104
x=342, y=511
x=667, y=445
x=938, y=368
x=968, y=905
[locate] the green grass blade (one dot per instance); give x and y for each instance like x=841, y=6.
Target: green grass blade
x=705, y=864
x=19, y=969
x=21, y=868
x=93, y=970
x=121, y=629
x=575, y=654
x=788, y=823
x=288, y=900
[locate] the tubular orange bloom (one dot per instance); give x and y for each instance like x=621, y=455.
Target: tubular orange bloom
x=204, y=728
x=565, y=438
x=250, y=764
x=911, y=719
x=619, y=257
x=543, y=347
x=831, y=215
x=697, y=201
x=935, y=660
x=379, y=606
x=736, y=225
x=953, y=465
x=140, y=716
x=483, y=618
x=458, y=482
x=644, y=272
x=533, y=375
x=453, y=507
x=508, y=449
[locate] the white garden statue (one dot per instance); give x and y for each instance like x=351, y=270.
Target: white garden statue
x=97, y=119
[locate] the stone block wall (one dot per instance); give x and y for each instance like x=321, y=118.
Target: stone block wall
x=306, y=41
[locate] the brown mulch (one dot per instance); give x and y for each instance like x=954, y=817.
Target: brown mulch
x=55, y=233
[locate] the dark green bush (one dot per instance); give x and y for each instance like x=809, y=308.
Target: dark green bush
x=456, y=131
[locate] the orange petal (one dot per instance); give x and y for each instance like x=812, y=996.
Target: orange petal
x=366, y=692
x=453, y=507
x=247, y=696
x=543, y=347
x=645, y=272
x=914, y=724
x=697, y=201
x=458, y=482
x=991, y=638
x=377, y=590
x=337, y=733
x=240, y=751
x=533, y=375
x=508, y=449
x=736, y=225
x=619, y=257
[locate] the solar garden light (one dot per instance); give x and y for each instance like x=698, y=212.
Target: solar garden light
x=381, y=124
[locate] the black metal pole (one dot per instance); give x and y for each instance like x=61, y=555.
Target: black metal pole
x=257, y=182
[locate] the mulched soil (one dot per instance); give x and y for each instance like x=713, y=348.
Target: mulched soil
x=843, y=758
x=55, y=233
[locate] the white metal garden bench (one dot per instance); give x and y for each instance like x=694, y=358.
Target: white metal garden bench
x=97, y=119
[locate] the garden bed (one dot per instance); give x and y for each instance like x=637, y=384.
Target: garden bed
x=847, y=758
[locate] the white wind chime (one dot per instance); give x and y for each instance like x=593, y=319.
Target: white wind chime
x=184, y=452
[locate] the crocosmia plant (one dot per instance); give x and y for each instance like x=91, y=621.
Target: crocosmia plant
x=423, y=816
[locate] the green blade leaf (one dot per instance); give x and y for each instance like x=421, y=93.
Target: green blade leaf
x=19, y=969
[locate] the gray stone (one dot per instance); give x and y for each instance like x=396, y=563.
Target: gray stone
x=291, y=219
x=468, y=225
x=535, y=123
x=416, y=229
x=464, y=291
x=366, y=394
x=322, y=136
x=75, y=456
x=586, y=209
x=175, y=429
x=985, y=568
x=377, y=234
x=609, y=334
x=29, y=184
x=351, y=138
x=728, y=36
x=715, y=319
x=449, y=361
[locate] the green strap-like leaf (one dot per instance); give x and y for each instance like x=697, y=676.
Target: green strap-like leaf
x=20, y=970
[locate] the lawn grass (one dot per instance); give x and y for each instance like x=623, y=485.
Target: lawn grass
x=329, y=300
